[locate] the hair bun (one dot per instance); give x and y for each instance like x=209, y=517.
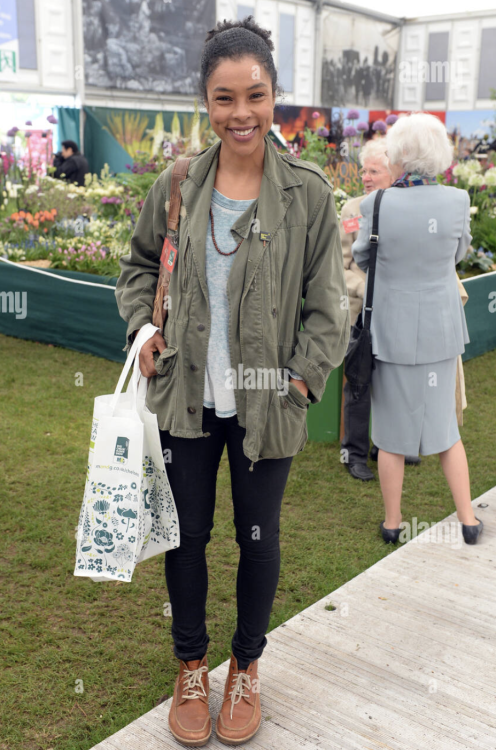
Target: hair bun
x=247, y=23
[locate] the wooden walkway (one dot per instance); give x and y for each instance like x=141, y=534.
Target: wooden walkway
x=406, y=661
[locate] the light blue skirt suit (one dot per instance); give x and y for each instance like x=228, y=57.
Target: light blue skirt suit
x=418, y=323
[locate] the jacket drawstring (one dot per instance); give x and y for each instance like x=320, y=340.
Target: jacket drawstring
x=251, y=466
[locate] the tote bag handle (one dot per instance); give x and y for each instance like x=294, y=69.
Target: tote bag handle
x=145, y=333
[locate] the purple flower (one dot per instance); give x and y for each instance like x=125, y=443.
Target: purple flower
x=28, y=122
x=379, y=125
x=322, y=131
x=356, y=144
x=391, y=119
x=128, y=166
x=53, y=120
x=362, y=126
x=316, y=115
x=104, y=199
x=353, y=114
x=349, y=131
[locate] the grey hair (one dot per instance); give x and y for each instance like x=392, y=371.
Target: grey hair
x=375, y=149
x=420, y=143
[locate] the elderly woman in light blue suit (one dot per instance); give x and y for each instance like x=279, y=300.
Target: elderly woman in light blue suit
x=418, y=323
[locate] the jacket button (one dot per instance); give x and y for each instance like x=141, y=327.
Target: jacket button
x=284, y=404
x=201, y=327
x=191, y=410
x=193, y=367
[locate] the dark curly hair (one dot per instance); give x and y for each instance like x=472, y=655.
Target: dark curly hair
x=234, y=40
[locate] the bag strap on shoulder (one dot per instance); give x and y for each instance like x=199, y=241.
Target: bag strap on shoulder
x=179, y=172
x=374, y=241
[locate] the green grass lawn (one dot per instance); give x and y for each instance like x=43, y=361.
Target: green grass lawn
x=57, y=630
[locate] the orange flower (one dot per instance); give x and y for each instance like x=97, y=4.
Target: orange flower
x=26, y=228
x=22, y=214
x=29, y=219
x=54, y=211
x=45, y=229
x=35, y=224
x=29, y=215
x=36, y=214
x=15, y=217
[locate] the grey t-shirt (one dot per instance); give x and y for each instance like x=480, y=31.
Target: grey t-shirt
x=217, y=392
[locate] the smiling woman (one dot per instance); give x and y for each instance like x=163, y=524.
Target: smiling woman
x=238, y=83
x=258, y=232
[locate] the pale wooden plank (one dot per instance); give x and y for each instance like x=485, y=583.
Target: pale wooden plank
x=426, y=611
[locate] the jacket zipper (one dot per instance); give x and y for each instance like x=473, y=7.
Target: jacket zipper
x=272, y=282
x=186, y=264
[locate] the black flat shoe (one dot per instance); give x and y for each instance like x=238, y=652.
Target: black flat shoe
x=412, y=460
x=360, y=471
x=472, y=532
x=390, y=536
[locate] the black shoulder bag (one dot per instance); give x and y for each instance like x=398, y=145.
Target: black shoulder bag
x=359, y=361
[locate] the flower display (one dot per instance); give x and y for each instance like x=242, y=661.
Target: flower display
x=353, y=114
x=476, y=180
x=391, y=119
x=41, y=219
x=362, y=126
x=88, y=228
x=379, y=126
x=77, y=259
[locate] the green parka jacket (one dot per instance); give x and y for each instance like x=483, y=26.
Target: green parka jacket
x=294, y=253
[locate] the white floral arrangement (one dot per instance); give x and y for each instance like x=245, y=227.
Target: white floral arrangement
x=471, y=172
x=340, y=198
x=14, y=254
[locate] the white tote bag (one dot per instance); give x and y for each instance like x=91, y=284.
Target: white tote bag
x=128, y=512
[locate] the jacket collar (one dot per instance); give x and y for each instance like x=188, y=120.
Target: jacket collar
x=271, y=205
x=275, y=168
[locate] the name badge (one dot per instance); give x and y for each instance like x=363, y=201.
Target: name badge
x=351, y=225
x=169, y=255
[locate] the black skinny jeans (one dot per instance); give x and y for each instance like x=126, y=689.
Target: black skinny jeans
x=257, y=497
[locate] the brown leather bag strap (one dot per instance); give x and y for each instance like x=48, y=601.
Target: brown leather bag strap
x=179, y=172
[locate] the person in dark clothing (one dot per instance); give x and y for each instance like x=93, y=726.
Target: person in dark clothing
x=70, y=163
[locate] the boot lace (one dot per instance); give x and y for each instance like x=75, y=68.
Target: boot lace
x=242, y=681
x=193, y=679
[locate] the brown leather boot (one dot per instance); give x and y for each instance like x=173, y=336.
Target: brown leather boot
x=189, y=717
x=240, y=716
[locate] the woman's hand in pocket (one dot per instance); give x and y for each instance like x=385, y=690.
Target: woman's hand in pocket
x=301, y=385
x=147, y=363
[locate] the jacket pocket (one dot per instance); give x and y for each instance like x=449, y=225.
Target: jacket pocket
x=285, y=431
x=296, y=396
x=164, y=363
